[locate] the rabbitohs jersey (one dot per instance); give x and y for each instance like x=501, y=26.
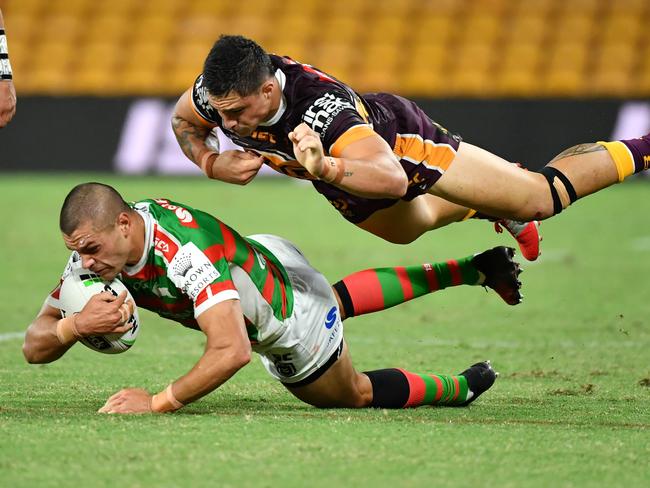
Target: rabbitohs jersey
x=192, y=261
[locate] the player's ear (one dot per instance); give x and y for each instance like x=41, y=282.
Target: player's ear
x=124, y=223
x=267, y=88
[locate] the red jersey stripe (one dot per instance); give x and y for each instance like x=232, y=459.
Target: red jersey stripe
x=405, y=282
x=230, y=248
x=283, y=291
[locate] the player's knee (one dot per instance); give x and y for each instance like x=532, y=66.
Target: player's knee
x=558, y=193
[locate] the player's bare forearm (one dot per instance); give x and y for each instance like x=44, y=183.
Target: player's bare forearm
x=42, y=344
x=191, y=138
x=367, y=167
x=378, y=176
x=212, y=370
x=227, y=350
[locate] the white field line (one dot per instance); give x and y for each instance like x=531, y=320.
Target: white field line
x=10, y=336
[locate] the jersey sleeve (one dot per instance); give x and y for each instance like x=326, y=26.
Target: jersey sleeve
x=206, y=280
x=53, y=298
x=200, y=103
x=339, y=118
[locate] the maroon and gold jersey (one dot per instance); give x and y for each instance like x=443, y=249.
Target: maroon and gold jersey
x=340, y=117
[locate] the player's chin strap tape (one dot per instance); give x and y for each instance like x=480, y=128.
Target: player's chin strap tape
x=550, y=173
x=346, y=299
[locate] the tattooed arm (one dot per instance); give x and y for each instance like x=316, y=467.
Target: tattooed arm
x=237, y=167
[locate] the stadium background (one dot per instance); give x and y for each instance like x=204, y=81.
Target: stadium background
x=522, y=78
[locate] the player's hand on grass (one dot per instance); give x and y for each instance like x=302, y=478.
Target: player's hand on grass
x=105, y=313
x=128, y=400
x=237, y=167
x=308, y=149
x=7, y=102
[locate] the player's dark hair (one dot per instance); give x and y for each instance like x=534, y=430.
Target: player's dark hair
x=236, y=64
x=94, y=202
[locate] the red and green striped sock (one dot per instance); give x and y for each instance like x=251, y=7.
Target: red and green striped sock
x=398, y=388
x=377, y=289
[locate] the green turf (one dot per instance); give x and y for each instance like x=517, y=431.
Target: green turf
x=570, y=407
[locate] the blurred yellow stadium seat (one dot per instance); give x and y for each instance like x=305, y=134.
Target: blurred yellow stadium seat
x=424, y=47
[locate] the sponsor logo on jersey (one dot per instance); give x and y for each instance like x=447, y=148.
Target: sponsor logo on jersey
x=263, y=136
x=165, y=244
x=192, y=271
x=184, y=216
x=322, y=112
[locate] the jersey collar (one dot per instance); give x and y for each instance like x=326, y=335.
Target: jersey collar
x=148, y=240
x=282, y=80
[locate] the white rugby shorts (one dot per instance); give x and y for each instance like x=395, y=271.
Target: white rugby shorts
x=314, y=330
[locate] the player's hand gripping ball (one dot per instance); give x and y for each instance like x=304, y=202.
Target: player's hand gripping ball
x=76, y=290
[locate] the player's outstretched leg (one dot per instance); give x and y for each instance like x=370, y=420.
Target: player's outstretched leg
x=405, y=221
x=479, y=179
x=342, y=386
x=377, y=289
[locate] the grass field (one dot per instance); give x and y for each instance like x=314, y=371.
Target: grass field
x=569, y=409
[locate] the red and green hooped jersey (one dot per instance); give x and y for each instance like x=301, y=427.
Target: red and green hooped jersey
x=188, y=265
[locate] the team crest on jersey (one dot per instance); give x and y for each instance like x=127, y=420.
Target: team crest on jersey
x=322, y=112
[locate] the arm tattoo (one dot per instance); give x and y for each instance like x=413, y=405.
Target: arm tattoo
x=579, y=149
x=188, y=136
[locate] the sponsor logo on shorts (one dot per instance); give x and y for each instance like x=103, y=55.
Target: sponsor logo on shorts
x=330, y=320
x=333, y=324
x=284, y=364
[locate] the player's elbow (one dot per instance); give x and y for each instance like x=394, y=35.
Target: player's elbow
x=394, y=185
x=242, y=358
x=32, y=356
x=400, y=185
x=237, y=358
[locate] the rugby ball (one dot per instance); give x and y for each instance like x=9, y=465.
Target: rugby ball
x=77, y=288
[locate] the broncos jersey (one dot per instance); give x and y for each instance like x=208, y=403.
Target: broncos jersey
x=340, y=117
